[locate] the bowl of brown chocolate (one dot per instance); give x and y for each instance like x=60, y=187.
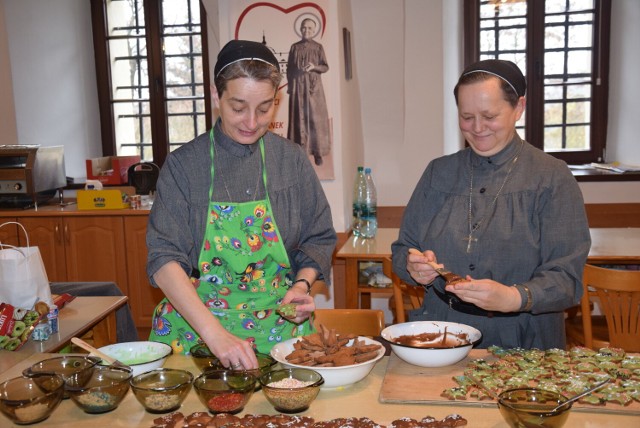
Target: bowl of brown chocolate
x=431, y=343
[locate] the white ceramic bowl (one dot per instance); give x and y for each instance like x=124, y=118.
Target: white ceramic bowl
x=140, y=356
x=334, y=377
x=427, y=350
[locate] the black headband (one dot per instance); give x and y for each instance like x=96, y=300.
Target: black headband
x=505, y=70
x=239, y=50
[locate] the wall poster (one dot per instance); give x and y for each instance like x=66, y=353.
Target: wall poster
x=294, y=31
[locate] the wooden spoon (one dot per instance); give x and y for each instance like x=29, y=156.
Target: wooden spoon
x=108, y=359
x=449, y=277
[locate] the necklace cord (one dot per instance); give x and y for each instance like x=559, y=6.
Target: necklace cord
x=476, y=226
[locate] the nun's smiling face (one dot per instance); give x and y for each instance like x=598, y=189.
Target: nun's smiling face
x=486, y=119
x=246, y=108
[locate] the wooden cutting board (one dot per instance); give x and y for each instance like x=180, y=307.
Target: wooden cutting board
x=406, y=383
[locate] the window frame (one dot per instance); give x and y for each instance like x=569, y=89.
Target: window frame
x=157, y=82
x=534, y=119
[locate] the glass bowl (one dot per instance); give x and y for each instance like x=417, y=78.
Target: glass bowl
x=205, y=360
x=225, y=391
x=65, y=366
x=291, y=390
x=162, y=390
x=31, y=399
x=531, y=407
x=103, y=391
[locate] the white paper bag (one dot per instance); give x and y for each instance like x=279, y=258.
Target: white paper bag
x=23, y=278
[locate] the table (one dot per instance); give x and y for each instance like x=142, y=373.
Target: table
x=357, y=250
x=615, y=246
x=358, y=400
x=608, y=246
x=76, y=318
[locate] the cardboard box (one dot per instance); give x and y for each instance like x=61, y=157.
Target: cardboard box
x=110, y=170
x=110, y=199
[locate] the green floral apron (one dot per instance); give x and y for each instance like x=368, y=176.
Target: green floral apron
x=244, y=275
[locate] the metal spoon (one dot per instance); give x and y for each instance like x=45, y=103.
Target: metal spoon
x=577, y=397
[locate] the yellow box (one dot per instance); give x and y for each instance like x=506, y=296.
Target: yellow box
x=102, y=199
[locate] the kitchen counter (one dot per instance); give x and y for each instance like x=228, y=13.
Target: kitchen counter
x=358, y=400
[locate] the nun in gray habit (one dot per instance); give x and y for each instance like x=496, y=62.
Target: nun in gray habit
x=501, y=213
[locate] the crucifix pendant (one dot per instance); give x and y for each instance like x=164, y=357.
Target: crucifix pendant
x=469, y=239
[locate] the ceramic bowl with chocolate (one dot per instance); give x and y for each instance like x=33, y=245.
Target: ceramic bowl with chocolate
x=431, y=343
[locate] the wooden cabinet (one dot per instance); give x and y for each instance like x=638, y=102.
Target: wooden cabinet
x=80, y=248
x=143, y=297
x=9, y=232
x=91, y=246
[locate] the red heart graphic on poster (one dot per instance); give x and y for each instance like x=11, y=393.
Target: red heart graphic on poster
x=281, y=9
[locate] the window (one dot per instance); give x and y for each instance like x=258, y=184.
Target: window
x=152, y=73
x=562, y=47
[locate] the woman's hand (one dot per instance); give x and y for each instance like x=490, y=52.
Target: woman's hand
x=305, y=305
x=487, y=294
x=419, y=268
x=233, y=352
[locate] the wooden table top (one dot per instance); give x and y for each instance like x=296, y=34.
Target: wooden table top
x=76, y=318
x=608, y=245
x=358, y=400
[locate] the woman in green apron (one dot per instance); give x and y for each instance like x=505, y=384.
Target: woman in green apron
x=240, y=223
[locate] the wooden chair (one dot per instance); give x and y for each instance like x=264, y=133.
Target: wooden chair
x=362, y=322
x=405, y=298
x=618, y=295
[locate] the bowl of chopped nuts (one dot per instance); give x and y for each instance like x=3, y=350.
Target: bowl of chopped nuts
x=162, y=390
x=103, y=391
x=31, y=399
x=225, y=391
x=291, y=390
x=340, y=360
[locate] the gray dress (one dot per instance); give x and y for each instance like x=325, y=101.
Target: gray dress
x=536, y=234
x=178, y=218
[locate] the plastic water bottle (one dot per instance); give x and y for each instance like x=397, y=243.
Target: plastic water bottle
x=370, y=211
x=359, y=191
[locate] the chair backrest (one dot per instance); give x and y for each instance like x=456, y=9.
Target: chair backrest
x=406, y=297
x=362, y=322
x=618, y=292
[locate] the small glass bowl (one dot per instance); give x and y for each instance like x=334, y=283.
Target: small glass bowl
x=30, y=399
x=103, y=391
x=79, y=365
x=162, y=390
x=531, y=407
x=205, y=360
x=225, y=391
x=291, y=390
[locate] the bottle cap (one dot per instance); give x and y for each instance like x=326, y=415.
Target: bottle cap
x=367, y=170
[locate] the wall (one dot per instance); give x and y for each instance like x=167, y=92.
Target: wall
x=396, y=113
x=53, y=71
x=8, y=129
